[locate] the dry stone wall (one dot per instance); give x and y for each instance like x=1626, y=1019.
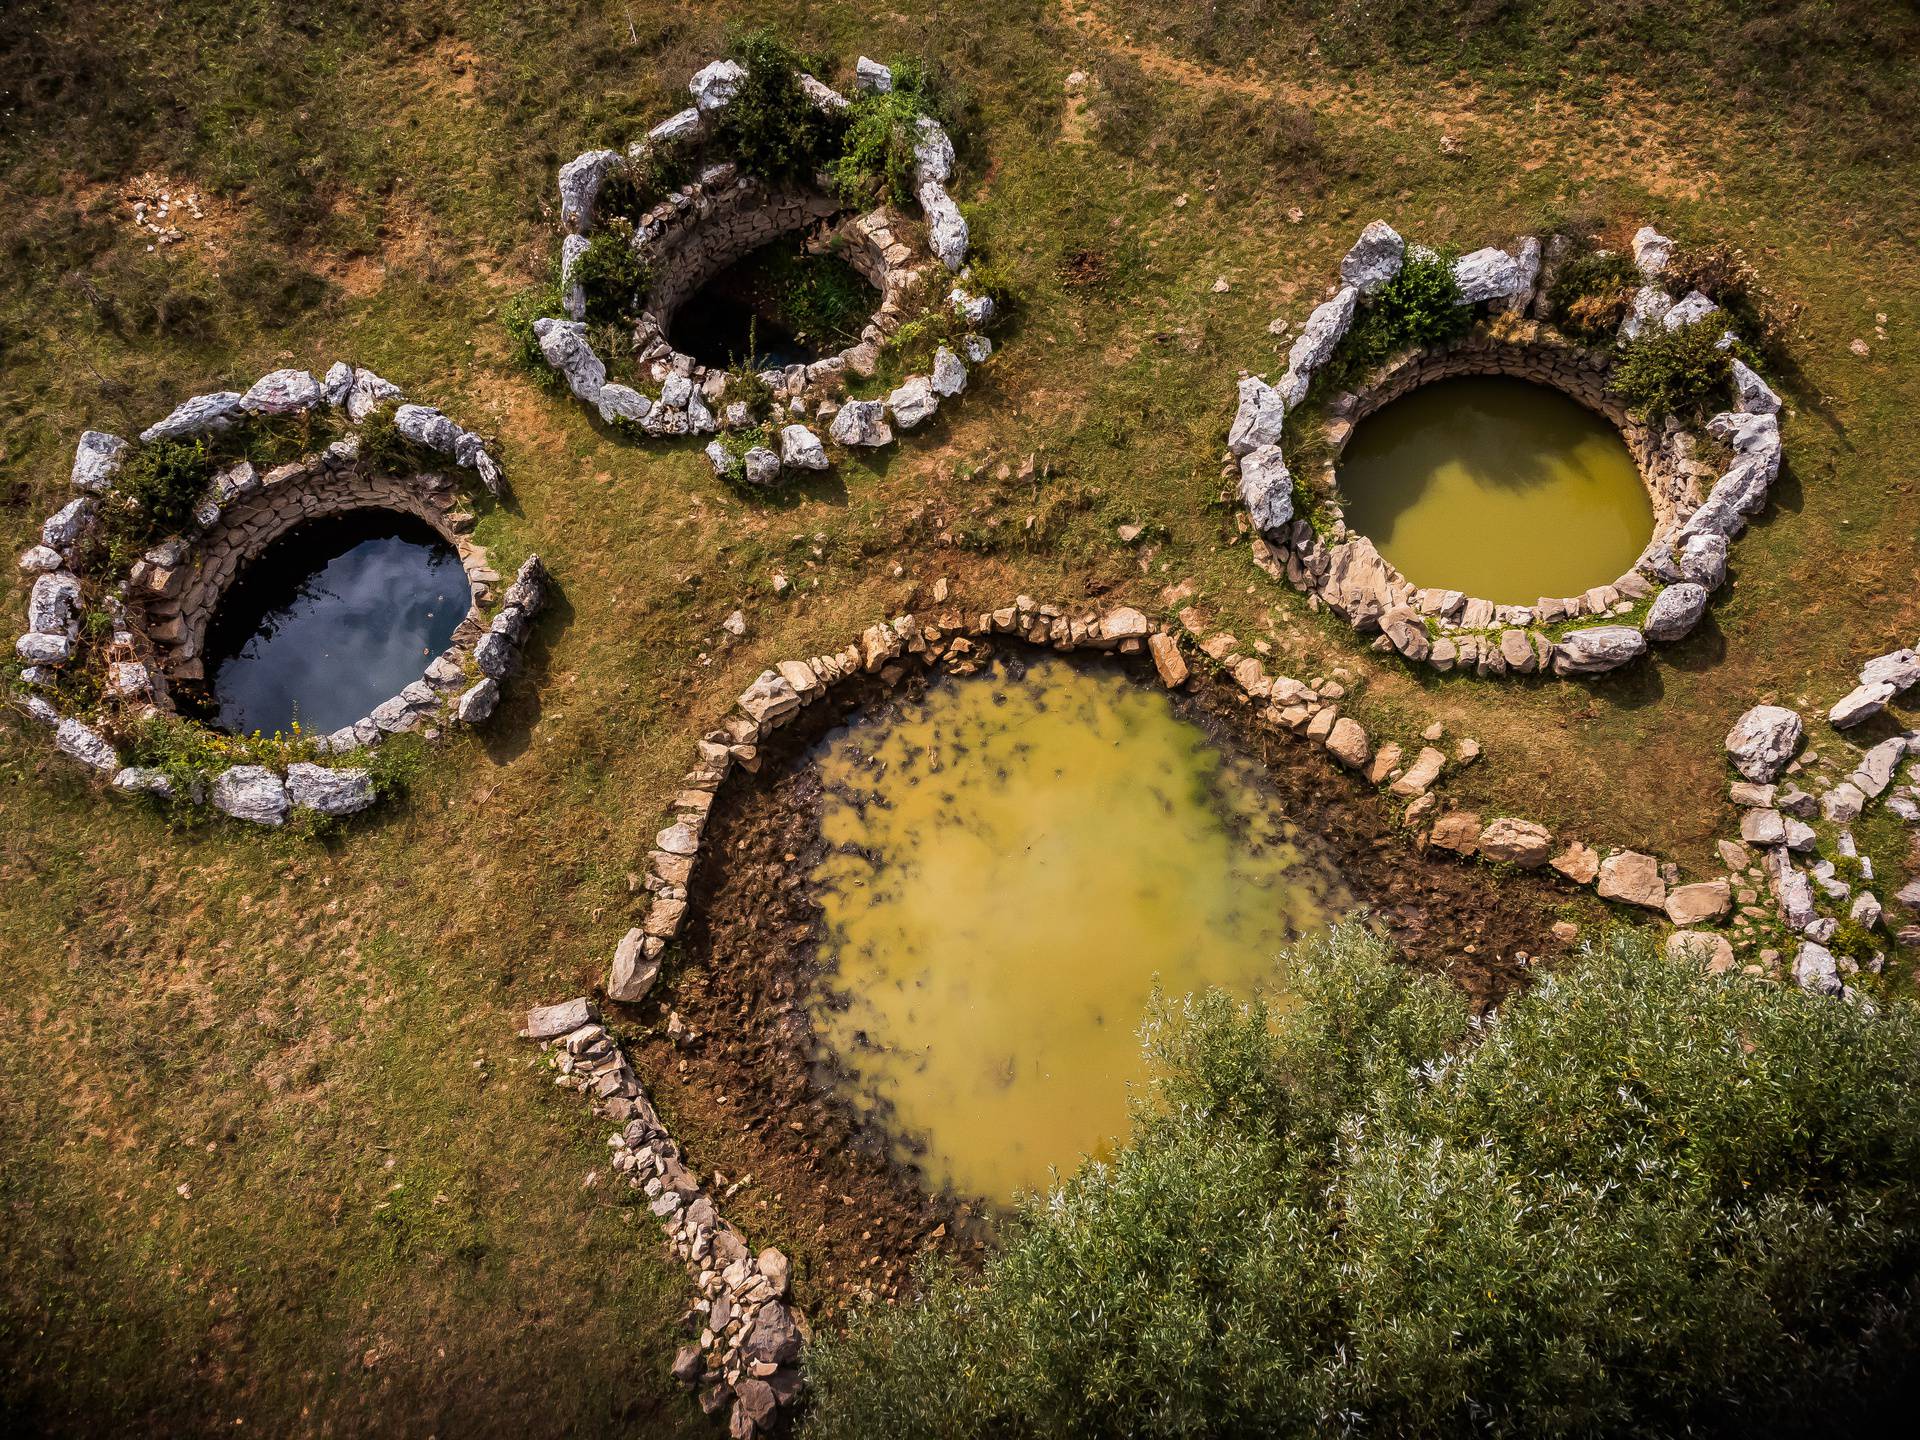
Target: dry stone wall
x=1698, y=511
x=161, y=606
x=916, y=264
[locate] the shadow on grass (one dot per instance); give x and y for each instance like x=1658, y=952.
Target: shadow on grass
x=512, y=729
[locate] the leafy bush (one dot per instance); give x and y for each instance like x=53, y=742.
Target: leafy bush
x=519, y=315
x=1591, y=292
x=876, y=155
x=610, y=275
x=154, y=494
x=1420, y=306
x=1681, y=372
x=1641, y=1201
x=819, y=297
x=770, y=128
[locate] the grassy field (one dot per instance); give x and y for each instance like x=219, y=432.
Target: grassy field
x=270, y=1157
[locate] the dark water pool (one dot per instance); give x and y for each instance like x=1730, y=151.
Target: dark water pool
x=335, y=617
x=781, y=305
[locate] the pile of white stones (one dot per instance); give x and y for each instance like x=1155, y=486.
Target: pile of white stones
x=143, y=605
x=1798, y=808
x=1682, y=565
x=750, y=1338
x=709, y=215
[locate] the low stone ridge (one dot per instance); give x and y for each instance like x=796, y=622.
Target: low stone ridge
x=749, y=1337
x=1696, y=513
x=160, y=607
x=723, y=215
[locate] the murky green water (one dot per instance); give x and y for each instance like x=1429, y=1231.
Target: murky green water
x=1506, y=490
x=1015, y=862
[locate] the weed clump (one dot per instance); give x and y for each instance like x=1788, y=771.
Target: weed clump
x=1591, y=293
x=771, y=128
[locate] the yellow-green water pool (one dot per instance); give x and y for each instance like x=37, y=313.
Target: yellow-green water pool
x=1015, y=862
x=1500, y=488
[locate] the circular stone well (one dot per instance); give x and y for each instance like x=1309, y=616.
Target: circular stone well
x=1506, y=582
x=342, y=641
x=793, y=416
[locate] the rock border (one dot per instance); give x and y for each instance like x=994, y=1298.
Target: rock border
x=722, y=215
x=161, y=606
x=748, y=1351
x=1683, y=563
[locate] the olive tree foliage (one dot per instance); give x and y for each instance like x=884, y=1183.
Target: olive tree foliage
x=1641, y=1200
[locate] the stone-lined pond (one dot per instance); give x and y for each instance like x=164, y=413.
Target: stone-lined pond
x=333, y=618
x=1015, y=862
x=1500, y=488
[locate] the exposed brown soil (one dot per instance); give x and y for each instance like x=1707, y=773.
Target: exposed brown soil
x=747, y=1092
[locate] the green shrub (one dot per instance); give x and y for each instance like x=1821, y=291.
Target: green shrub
x=1591, y=292
x=610, y=275
x=876, y=159
x=1641, y=1201
x=1681, y=372
x=770, y=128
x=1725, y=276
x=519, y=315
x=1419, y=307
x=819, y=297
x=154, y=494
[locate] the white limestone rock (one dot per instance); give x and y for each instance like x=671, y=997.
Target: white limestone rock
x=633, y=973
x=564, y=343
x=932, y=153
x=67, y=524
x=1325, y=328
x=870, y=77
x=1676, y=611
x=1692, y=308
x=86, y=745
x=949, y=373
x=1597, y=649
x=974, y=309
x=1376, y=257
x=1490, y=274
x=978, y=348
x=683, y=127
x=580, y=180
x=1861, y=703
x=623, y=402
x=573, y=296
x=1651, y=252
x=337, y=384
x=426, y=426
x=39, y=559
x=913, y=404
x=946, y=226
x=824, y=96
x=762, y=467
x=861, y=422
x=1898, y=668
x=283, y=392
x=712, y=86
x=369, y=393
x=800, y=449
x=1258, y=419
x=1703, y=560
x=96, y=460
x=477, y=704
x=36, y=648
x=138, y=780
x=1763, y=740
x=203, y=414
x=1753, y=394
x=1266, y=489
x=329, y=792
x=53, y=605
x=1815, y=970
x=1650, y=305
x=1527, y=259
x=251, y=792
x=494, y=655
